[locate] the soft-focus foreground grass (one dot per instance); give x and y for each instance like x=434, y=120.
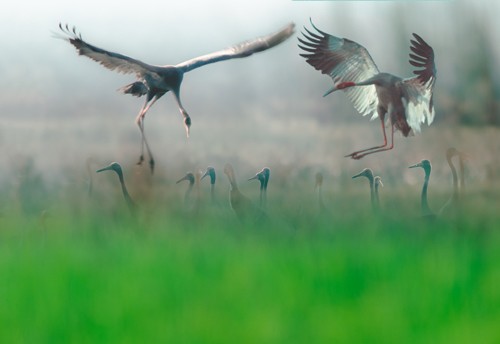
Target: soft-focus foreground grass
x=171, y=276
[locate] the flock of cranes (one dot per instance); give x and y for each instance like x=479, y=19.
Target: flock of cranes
x=400, y=104
x=248, y=211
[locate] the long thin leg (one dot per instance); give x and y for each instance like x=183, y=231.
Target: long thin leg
x=356, y=155
x=140, y=122
x=359, y=156
x=185, y=115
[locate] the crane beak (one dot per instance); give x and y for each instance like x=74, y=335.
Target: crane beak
x=182, y=179
x=331, y=90
x=206, y=174
x=107, y=168
x=416, y=165
x=358, y=175
x=254, y=177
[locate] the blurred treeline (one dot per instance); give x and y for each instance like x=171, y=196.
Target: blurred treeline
x=468, y=87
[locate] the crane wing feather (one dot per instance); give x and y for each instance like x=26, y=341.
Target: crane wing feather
x=240, y=50
x=418, y=91
x=110, y=60
x=417, y=99
x=344, y=61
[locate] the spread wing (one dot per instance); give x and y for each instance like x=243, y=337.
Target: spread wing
x=112, y=61
x=343, y=60
x=244, y=49
x=418, y=91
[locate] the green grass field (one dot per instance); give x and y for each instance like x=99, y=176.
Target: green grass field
x=80, y=272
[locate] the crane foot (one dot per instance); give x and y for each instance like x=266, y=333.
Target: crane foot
x=141, y=159
x=354, y=156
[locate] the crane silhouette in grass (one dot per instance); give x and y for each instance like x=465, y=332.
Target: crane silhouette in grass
x=405, y=103
x=154, y=81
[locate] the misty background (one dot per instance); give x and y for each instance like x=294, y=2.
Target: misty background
x=58, y=109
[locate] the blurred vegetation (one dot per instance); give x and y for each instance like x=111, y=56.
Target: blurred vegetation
x=346, y=276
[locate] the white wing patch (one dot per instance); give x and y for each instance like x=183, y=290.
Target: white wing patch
x=418, y=108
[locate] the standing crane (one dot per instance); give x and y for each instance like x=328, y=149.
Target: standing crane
x=210, y=171
x=405, y=102
x=241, y=204
x=452, y=204
x=424, y=204
x=263, y=177
x=368, y=173
x=114, y=166
x=154, y=81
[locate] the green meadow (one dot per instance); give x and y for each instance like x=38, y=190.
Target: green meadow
x=86, y=270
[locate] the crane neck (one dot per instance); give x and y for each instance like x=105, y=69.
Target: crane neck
x=212, y=192
x=126, y=195
x=372, y=193
x=377, y=200
x=455, y=178
x=462, y=175
x=424, y=204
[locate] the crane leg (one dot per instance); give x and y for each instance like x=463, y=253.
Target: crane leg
x=140, y=122
x=185, y=115
x=372, y=150
x=356, y=155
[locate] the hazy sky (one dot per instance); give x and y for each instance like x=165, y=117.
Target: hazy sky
x=48, y=91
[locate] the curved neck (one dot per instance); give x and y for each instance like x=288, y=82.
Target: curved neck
x=188, y=192
x=126, y=195
x=372, y=193
x=424, y=203
x=377, y=200
x=212, y=192
x=462, y=175
x=455, y=179
x=232, y=180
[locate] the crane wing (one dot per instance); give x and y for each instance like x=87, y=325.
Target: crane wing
x=113, y=61
x=243, y=49
x=344, y=61
x=418, y=91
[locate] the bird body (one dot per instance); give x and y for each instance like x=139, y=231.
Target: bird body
x=241, y=204
x=154, y=81
x=405, y=103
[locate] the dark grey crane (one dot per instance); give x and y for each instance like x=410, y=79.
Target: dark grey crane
x=155, y=81
x=114, y=166
x=263, y=177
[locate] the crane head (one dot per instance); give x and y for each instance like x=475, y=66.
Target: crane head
x=425, y=164
x=189, y=177
x=210, y=172
x=367, y=172
x=114, y=166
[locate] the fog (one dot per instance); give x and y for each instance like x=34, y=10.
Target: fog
x=57, y=109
